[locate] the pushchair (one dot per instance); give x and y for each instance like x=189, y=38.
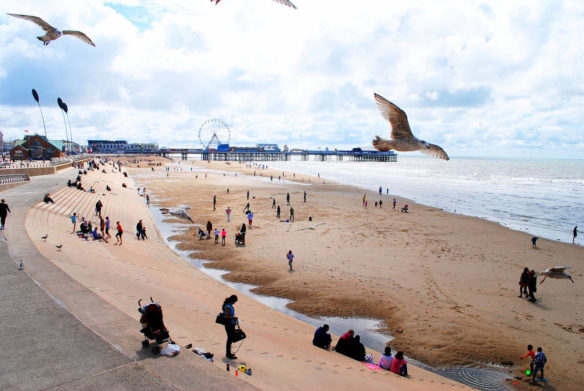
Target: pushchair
x=152, y=325
x=240, y=239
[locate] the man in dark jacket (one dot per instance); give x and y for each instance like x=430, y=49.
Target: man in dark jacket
x=322, y=338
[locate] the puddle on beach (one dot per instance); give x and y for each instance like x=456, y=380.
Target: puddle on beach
x=486, y=379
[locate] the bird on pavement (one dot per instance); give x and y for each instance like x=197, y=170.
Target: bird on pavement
x=52, y=32
x=21, y=265
x=556, y=272
x=59, y=246
x=402, y=138
x=45, y=237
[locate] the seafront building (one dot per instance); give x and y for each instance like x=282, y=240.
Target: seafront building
x=120, y=147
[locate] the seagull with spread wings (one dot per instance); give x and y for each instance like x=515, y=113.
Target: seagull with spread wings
x=285, y=2
x=556, y=272
x=402, y=138
x=52, y=33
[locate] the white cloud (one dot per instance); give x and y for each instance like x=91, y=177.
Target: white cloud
x=480, y=79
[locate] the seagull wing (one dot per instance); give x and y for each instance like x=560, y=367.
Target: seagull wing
x=435, y=151
x=558, y=269
x=400, y=127
x=35, y=19
x=79, y=35
x=286, y=2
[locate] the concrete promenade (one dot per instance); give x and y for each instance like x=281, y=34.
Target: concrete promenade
x=59, y=335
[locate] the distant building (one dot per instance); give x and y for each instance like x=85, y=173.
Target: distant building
x=36, y=147
x=120, y=147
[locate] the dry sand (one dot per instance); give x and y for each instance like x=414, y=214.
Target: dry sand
x=446, y=285
x=278, y=347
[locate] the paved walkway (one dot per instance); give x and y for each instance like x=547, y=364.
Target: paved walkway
x=59, y=335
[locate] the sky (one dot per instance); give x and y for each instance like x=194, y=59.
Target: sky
x=479, y=78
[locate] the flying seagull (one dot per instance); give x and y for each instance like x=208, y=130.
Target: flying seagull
x=285, y=2
x=556, y=272
x=402, y=138
x=53, y=33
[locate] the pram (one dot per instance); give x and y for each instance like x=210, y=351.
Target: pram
x=152, y=325
x=240, y=239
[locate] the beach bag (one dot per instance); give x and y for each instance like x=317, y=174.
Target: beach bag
x=238, y=334
x=221, y=319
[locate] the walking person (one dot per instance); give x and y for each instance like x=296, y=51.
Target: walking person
x=209, y=228
x=98, y=206
x=73, y=220
x=287, y=198
x=394, y=203
x=364, y=199
x=574, y=234
x=290, y=258
x=107, y=227
x=532, y=285
x=278, y=212
x=214, y=202
x=291, y=213
x=216, y=236
x=380, y=190
x=273, y=203
x=229, y=313
x=305, y=196
x=119, y=233
x=248, y=195
x=223, y=236
x=228, y=213
x=250, y=219
x=534, y=241
x=4, y=210
x=139, y=230
x=523, y=281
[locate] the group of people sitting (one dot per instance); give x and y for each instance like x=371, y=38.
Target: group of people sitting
x=351, y=346
x=87, y=230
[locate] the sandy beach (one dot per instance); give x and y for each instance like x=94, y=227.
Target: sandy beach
x=278, y=347
x=446, y=285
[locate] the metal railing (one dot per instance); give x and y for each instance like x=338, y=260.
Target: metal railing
x=15, y=178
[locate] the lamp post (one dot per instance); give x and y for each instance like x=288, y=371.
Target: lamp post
x=61, y=106
x=66, y=110
x=35, y=95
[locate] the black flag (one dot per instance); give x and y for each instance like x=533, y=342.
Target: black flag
x=65, y=108
x=35, y=95
x=60, y=103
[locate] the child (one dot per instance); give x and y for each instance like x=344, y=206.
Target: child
x=74, y=221
x=216, y=236
x=290, y=257
x=223, y=235
x=399, y=364
x=531, y=353
x=540, y=360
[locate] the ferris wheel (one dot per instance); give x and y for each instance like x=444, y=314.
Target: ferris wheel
x=214, y=132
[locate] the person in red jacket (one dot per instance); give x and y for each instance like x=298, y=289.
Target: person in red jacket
x=531, y=353
x=399, y=364
x=120, y=232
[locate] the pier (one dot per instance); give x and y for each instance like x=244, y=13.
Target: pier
x=254, y=155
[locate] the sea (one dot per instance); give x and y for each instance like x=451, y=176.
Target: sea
x=543, y=197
